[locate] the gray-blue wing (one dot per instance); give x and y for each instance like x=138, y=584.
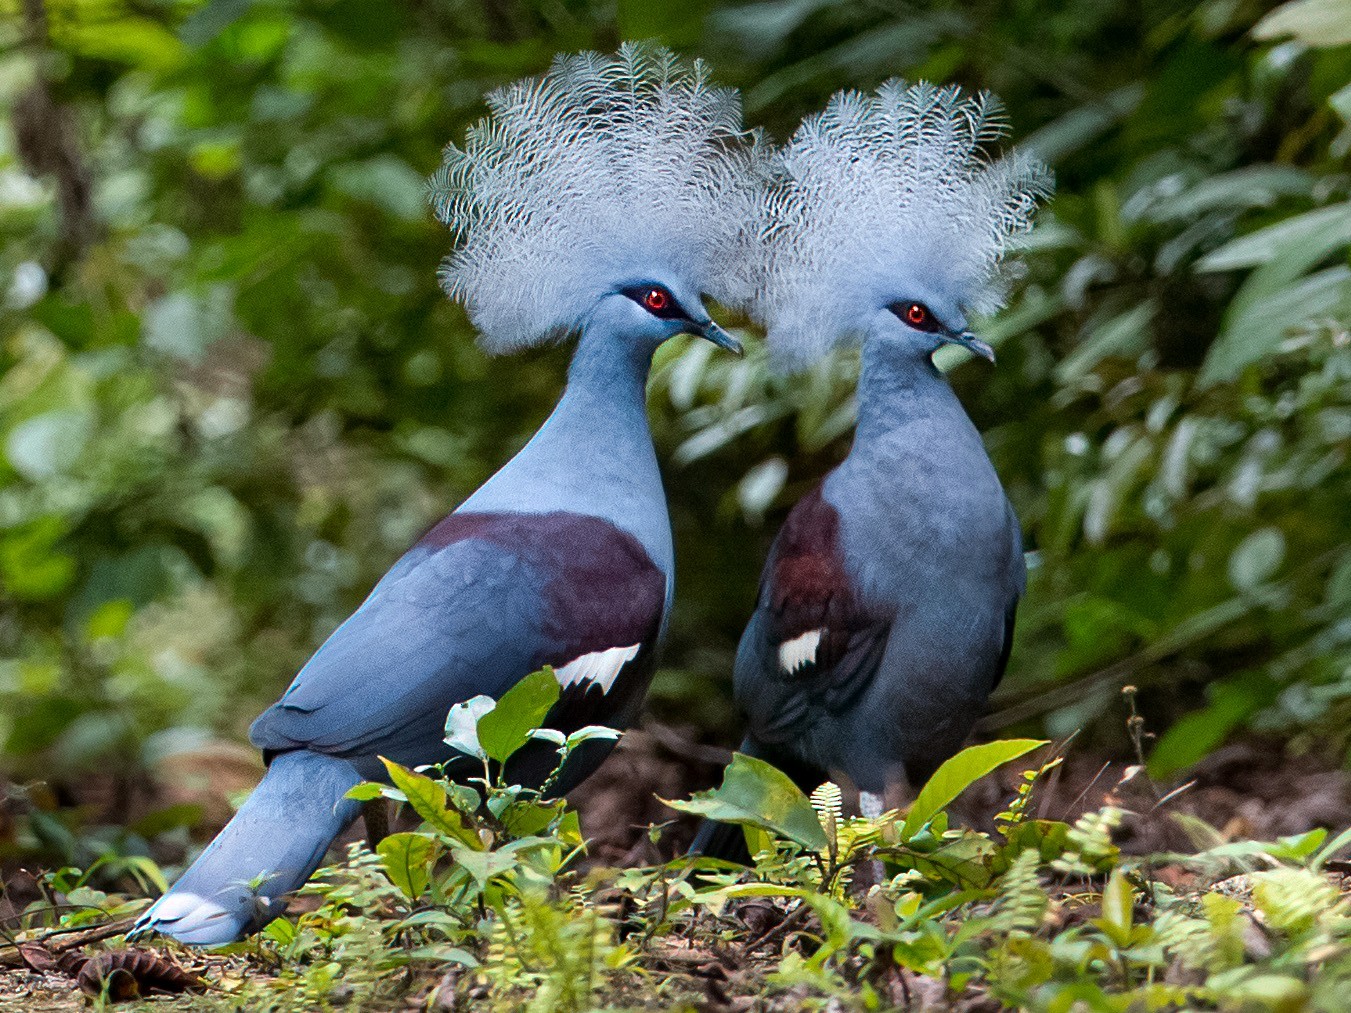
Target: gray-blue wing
x=446, y=624
x=481, y=601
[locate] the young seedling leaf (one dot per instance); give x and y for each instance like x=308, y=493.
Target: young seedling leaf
x=1118, y=907
x=462, y=724
x=408, y=859
x=366, y=791
x=754, y=793
x=958, y=773
x=484, y=865
x=429, y=800
x=522, y=709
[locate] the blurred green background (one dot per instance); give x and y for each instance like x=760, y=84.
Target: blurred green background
x=232, y=392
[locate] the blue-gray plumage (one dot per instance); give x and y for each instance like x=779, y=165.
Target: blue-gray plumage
x=886, y=608
x=564, y=557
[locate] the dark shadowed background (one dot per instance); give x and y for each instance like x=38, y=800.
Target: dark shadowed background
x=232, y=392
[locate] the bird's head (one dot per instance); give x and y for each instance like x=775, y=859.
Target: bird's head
x=920, y=325
x=612, y=192
x=886, y=220
x=650, y=311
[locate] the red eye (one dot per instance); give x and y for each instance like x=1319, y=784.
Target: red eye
x=917, y=315
x=656, y=300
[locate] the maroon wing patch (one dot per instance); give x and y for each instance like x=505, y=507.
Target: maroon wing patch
x=603, y=598
x=817, y=628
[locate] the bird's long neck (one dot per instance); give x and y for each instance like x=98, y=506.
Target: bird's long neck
x=900, y=395
x=917, y=480
x=594, y=454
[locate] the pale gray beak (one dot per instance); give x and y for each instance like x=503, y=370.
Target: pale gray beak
x=974, y=345
x=719, y=337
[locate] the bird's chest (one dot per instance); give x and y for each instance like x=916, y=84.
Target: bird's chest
x=917, y=532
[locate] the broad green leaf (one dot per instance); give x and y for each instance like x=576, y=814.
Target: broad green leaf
x=386, y=181
x=1118, y=908
x=441, y=953
x=1256, y=559
x=366, y=791
x=281, y=931
x=758, y=839
x=589, y=733
x=966, y=860
x=1126, y=334
x=49, y=444
x=429, y=800
x=1322, y=231
x=1297, y=847
x=183, y=324
x=32, y=567
x=531, y=818
x=408, y=859
x=1314, y=22
x=1278, y=992
x=1327, y=851
x=521, y=709
x=461, y=731
x=963, y=770
x=483, y=865
x=1251, y=186
x=1191, y=737
x=570, y=829
x=757, y=794
x=138, y=42
x=1255, y=327
x=1341, y=103
x=1083, y=124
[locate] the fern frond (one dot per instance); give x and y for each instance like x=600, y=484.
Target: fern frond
x=829, y=806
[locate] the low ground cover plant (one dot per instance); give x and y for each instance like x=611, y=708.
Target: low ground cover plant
x=488, y=903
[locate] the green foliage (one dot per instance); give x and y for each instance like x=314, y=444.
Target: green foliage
x=506, y=727
x=485, y=909
x=957, y=774
x=232, y=393
x=754, y=792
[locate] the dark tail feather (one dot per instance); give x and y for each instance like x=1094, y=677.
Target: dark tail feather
x=727, y=840
x=721, y=840
x=270, y=848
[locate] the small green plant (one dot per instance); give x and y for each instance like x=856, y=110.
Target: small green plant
x=485, y=905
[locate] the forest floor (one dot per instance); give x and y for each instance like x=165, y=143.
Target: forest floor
x=1249, y=790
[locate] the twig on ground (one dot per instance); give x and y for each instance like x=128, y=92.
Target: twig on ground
x=60, y=940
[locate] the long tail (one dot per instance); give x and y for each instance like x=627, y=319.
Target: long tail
x=726, y=840
x=271, y=847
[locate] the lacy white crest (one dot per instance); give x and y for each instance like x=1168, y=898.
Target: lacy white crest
x=879, y=191
x=604, y=170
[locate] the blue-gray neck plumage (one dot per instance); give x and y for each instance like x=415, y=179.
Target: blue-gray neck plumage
x=594, y=455
x=917, y=481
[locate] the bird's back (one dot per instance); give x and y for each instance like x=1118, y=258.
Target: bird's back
x=480, y=601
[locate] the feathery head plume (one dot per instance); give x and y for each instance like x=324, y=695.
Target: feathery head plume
x=604, y=170
x=885, y=197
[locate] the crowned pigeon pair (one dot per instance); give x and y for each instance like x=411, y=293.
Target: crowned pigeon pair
x=604, y=199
